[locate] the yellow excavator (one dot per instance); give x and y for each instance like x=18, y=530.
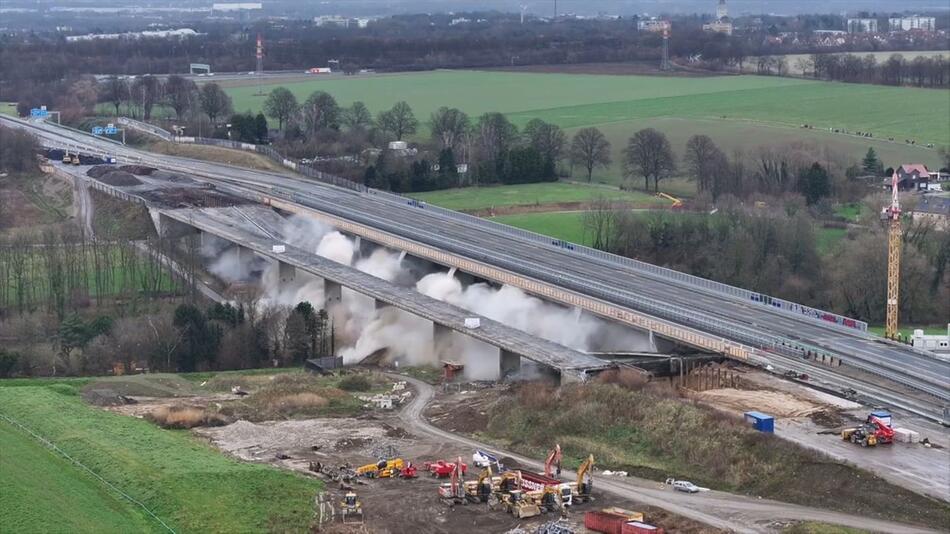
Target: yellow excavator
x=480, y=490
x=677, y=203
x=585, y=481
x=351, y=509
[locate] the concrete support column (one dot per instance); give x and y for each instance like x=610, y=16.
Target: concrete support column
x=332, y=293
x=509, y=363
x=245, y=255
x=441, y=337
x=286, y=272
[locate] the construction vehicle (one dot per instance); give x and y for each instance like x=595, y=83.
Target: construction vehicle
x=677, y=203
x=553, y=462
x=351, y=509
x=584, y=486
x=871, y=433
x=484, y=459
x=453, y=492
x=519, y=505
x=442, y=468
x=480, y=490
x=390, y=467
x=552, y=498
x=66, y=158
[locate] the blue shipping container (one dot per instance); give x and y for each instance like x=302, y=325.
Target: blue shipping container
x=760, y=421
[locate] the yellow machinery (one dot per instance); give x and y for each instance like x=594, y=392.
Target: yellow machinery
x=585, y=480
x=481, y=490
x=66, y=158
x=893, y=215
x=351, y=509
x=519, y=505
x=677, y=203
x=382, y=468
x=75, y=160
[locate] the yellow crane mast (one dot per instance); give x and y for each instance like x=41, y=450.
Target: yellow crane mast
x=893, y=215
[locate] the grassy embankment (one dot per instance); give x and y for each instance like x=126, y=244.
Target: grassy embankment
x=190, y=486
x=656, y=437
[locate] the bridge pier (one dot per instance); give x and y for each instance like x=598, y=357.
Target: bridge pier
x=509, y=363
x=245, y=255
x=286, y=272
x=441, y=337
x=332, y=293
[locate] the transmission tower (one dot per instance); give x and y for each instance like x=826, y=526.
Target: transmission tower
x=665, y=61
x=260, y=64
x=893, y=215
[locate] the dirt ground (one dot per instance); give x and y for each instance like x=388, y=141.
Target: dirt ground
x=815, y=420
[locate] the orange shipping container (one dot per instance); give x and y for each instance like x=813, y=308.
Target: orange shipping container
x=605, y=522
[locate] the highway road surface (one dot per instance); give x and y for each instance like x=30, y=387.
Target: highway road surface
x=715, y=508
x=622, y=285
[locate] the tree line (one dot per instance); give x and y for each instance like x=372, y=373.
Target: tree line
x=921, y=71
x=774, y=249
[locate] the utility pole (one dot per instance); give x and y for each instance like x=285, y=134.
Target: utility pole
x=665, y=61
x=523, y=9
x=260, y=64
x=893, y=215
x=555, y=9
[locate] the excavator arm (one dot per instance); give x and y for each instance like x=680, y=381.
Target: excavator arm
x=553, y=460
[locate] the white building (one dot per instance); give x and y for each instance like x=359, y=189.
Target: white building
x=722, y=11
x=653, y=25
x=237, y=6
x=915, y=22
x=862, y=25
x=722, y=24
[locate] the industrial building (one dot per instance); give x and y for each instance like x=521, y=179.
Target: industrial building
x=915, y=22
x=862, y=26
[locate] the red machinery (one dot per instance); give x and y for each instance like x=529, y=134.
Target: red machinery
x=442, y=469
x=409, y=471
x=882, y=432
x=453, y=492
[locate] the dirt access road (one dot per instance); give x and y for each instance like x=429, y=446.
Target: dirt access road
x=718, y=509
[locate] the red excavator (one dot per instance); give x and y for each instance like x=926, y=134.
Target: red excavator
x=453, y=492
x=553, y=460
x=442, y=469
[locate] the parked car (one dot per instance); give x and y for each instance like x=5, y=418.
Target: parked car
x=683, y=485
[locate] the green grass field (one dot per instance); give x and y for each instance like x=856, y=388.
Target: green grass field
x=907, y=331
x=183, y=480
x=568, y=226
x=827, y=239
x=477, y=198
x=574, y=100
x=8, y=108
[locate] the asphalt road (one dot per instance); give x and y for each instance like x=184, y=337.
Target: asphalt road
x=723, y=315
x=715, y=508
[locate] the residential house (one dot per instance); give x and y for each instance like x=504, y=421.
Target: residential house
x=910, y=177
x=933, y=208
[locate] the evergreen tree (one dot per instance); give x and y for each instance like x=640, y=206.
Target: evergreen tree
x=814, y=183
x=871, y=165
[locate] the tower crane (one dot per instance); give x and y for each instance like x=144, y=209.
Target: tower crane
x=893, y=215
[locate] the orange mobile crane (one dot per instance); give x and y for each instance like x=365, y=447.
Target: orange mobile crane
x=892, y=214
x=553, y=460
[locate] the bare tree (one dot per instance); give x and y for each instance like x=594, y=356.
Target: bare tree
x=214, y=102
x=320, y=112
x=648, y=154
x=180, y=94
x=282, y=105
x=147, y=90
x=357, y=116
x=399, y=121
x=548, y=139
x=706, y=164
x=600, y=222
x=448, y=126
x=116, y=92
x=590, y=149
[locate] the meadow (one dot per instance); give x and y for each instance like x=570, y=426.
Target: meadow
x=483, y=198
x=183, y=480
x=576, y=100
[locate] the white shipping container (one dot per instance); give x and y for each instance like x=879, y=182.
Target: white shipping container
x=472, y=322
x=280, y=249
